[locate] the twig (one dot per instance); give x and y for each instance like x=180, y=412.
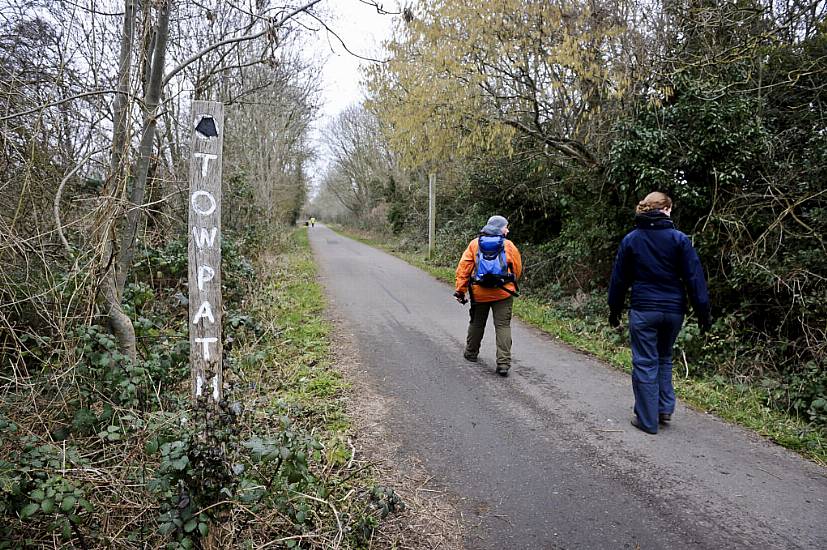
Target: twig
x=276, y=541
x=56, y=103
x=768, y=473
x=352, y=453
x=59, y=193
x=244, y=38
x=338, y=539
x=213, y=506
x=424, y=483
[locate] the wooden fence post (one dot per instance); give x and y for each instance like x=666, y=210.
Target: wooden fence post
x=204, y=250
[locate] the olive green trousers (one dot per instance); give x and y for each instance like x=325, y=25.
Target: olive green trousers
x=501, y=311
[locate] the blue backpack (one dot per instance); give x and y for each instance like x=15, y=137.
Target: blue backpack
x=491, y=268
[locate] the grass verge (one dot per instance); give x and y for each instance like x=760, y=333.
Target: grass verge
x=293, y=372
x=742, y=404
x=290, y=303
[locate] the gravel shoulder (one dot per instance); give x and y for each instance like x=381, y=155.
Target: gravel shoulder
x=430, y=519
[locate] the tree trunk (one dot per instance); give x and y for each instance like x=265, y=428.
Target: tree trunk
x=151, y=100
x=120, y=107
x=119, y=323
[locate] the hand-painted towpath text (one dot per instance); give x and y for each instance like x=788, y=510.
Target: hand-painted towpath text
x=205, y=307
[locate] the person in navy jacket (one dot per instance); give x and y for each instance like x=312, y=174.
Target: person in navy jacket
x=660, y=265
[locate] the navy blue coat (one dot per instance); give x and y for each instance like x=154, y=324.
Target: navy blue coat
x=660, y=265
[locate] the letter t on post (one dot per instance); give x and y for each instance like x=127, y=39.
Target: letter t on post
x=204, y=249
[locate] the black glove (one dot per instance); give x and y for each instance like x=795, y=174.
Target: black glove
x=614, y=319
x=705, y=323
x=460, y=296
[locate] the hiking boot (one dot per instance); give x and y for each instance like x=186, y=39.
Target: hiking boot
x=502, y=371
x=469, y=357
x=636, y=423
x=665, y=418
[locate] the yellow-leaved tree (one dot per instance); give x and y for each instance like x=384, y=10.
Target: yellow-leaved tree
x=467, y=75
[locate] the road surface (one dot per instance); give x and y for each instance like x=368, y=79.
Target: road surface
x=546, y=458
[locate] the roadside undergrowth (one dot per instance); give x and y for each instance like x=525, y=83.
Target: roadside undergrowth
x=99, y=451
x=741, y=403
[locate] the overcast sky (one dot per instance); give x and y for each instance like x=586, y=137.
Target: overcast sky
x=363, y=30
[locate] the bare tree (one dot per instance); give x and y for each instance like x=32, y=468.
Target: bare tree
x=359, y=162
x=61, y=64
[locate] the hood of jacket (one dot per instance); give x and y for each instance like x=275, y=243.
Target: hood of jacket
x=654, y=220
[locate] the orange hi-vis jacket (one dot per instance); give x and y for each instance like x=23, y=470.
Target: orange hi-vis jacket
x=465, y=269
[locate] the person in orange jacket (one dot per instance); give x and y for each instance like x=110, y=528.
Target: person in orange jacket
x=490, y=279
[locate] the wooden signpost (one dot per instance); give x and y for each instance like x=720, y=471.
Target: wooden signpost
x=204, y=249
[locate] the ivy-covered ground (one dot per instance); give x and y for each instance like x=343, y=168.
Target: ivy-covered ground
x=582, y=324
x=97, y=452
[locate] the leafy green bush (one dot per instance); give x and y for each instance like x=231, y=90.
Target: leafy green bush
x=33, y=489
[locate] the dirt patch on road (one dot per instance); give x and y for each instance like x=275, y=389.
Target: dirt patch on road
x=430, y=519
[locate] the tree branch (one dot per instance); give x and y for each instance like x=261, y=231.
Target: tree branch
x=244, y=38
x=342, y=42
x=56, y=103
x=59, y=193
x=569, y=148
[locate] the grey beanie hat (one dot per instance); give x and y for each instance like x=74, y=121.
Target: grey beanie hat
x=495, y=225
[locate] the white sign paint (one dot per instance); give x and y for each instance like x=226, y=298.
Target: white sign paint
x=197, y=204
x=203, y=237
x=205, y=345
x=205, y=165
x=205, y=275
x=205, y=310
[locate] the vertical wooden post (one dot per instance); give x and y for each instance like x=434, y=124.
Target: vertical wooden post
x=205, y=250
x=431, y=213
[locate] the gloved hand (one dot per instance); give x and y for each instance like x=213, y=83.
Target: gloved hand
x=705, y=323
x=614, y=319
x=460, y=297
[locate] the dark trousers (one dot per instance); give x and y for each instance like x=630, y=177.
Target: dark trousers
x=653, y=335
x=501, y=310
